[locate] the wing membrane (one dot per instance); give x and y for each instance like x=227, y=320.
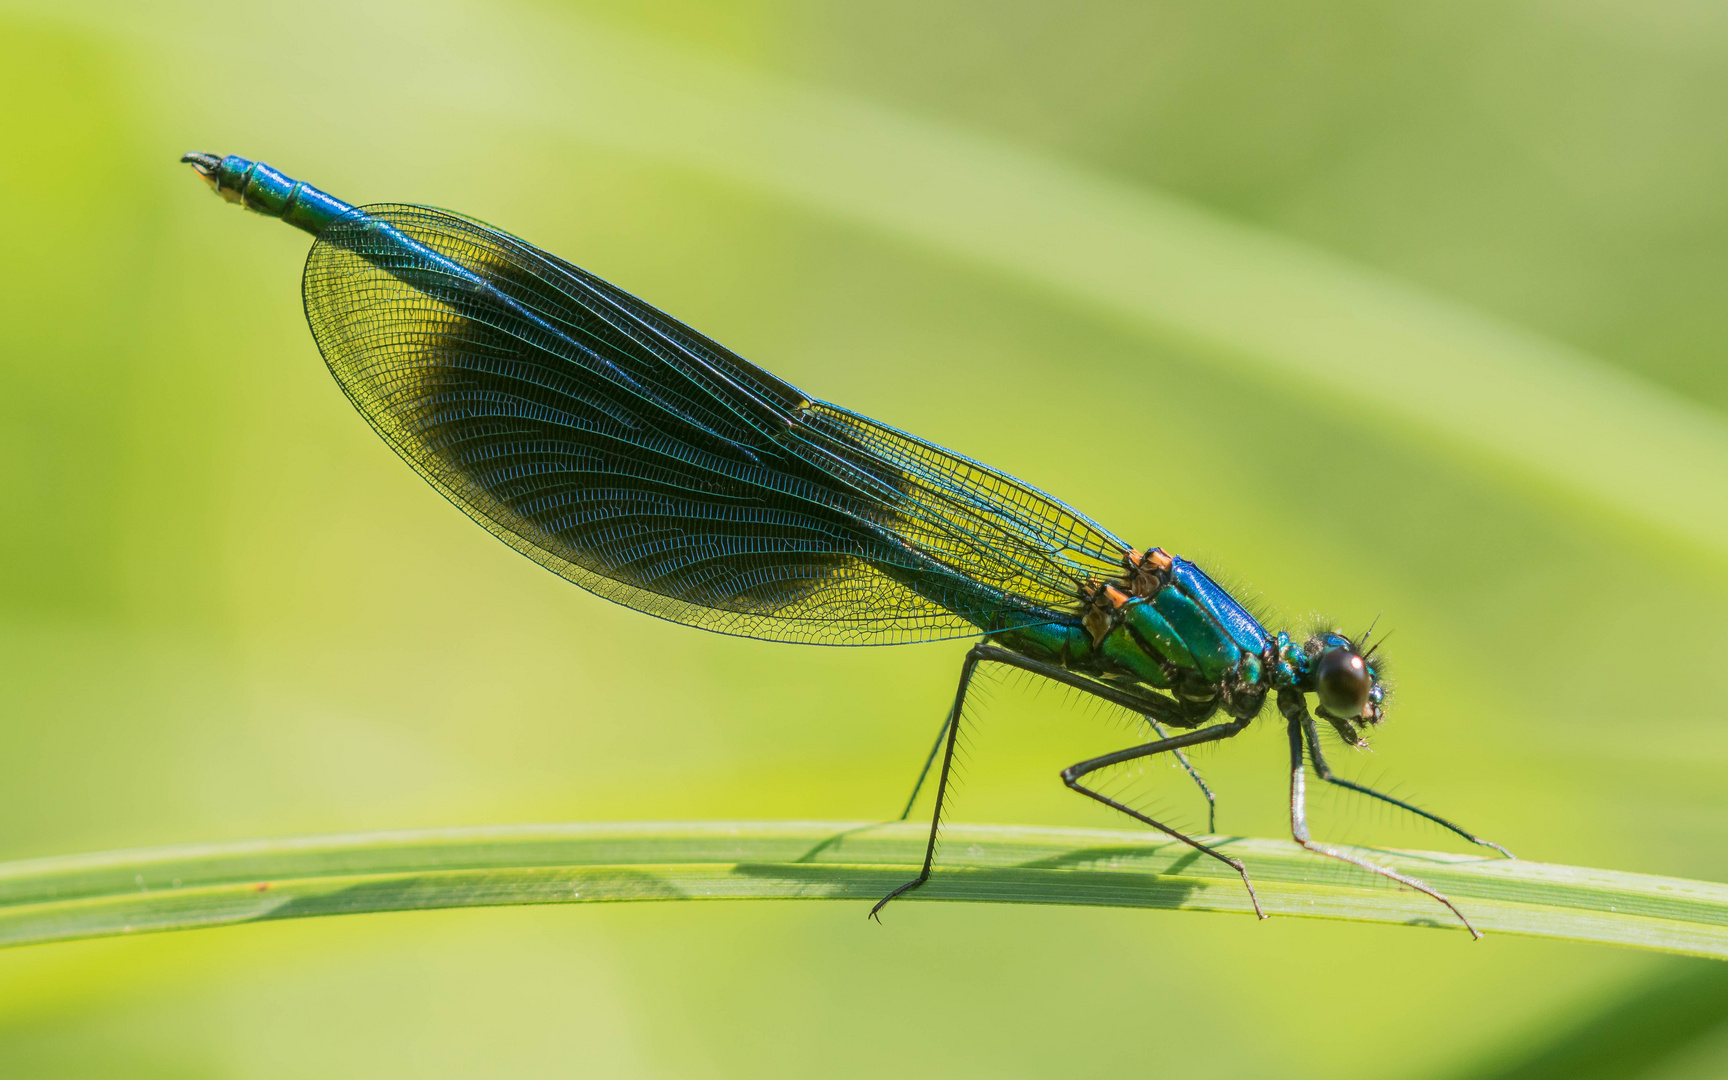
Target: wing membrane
x=635, y=457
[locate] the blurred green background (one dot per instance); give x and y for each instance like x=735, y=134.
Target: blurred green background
x=228, y=611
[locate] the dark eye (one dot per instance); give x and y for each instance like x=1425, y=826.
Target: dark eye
x=1341, y=681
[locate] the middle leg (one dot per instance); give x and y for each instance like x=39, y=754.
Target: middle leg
x=1151, y=707
x=1193, y=774
x=1071, y=776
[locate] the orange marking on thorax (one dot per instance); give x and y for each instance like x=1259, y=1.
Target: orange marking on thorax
x=1146, y=573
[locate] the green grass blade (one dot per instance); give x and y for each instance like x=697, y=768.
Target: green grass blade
x=84, y=896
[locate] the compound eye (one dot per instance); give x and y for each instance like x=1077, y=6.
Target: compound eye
x=1342, y=683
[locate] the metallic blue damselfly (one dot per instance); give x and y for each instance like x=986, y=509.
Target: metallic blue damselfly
x=629, y=454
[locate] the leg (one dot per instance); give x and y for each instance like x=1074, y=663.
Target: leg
x=951, y=730
x=1299, y=818
x=1325, y=773
x=924, y=773
x=1144, y=705
x=1073, y=773
x=1193, y=773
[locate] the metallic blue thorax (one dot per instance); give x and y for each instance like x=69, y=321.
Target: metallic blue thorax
x=1166, y=625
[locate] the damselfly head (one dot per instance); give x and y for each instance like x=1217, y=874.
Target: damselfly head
x=1347, y=683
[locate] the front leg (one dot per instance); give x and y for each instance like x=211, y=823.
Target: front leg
x=1295, y=710
x=1324, y=771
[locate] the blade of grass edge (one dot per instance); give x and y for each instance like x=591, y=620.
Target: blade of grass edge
x=184, y=887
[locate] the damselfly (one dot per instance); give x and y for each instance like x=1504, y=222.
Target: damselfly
x=633, y=456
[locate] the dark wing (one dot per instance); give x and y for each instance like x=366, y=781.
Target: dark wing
x=631, y=455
